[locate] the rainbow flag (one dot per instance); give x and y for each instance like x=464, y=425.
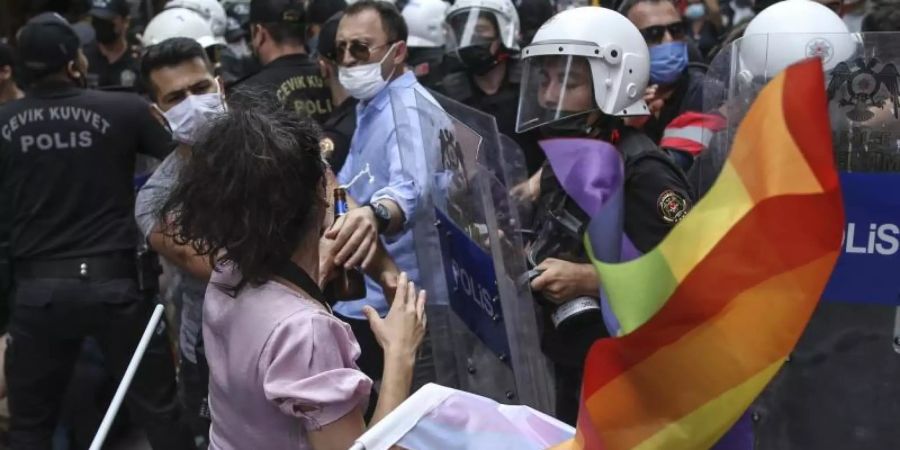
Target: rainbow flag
x=713, y=311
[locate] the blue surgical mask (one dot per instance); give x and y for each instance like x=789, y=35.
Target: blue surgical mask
x=695, y=11
x=667, y=62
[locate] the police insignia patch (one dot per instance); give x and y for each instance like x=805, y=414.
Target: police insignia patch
x=672, y=206
x=326, y=145
x=127, y=78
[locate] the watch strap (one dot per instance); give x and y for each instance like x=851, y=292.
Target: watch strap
x=381, y=221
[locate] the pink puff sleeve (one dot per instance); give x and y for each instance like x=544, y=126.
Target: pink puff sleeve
x=309, y=371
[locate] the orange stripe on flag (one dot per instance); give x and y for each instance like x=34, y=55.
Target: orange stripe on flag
x=764, y=147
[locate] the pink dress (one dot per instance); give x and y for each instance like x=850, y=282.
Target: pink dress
x=280, y=366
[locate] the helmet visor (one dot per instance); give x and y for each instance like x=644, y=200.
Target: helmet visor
x=554, y=87
x=472, y=26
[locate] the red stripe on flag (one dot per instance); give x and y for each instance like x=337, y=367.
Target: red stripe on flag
x=806, y=114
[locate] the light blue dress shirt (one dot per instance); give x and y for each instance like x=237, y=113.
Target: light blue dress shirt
x=387, y=137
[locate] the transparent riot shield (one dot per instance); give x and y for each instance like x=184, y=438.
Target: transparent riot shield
x=839, y=388
x=484, y=335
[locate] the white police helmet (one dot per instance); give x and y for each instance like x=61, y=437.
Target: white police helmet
x=471, y=22
x=570, y=68
x=790, y=31
x=425, y=20
x=211, y=11
x=178, y=22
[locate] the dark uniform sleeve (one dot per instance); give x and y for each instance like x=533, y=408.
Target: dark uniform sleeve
x=153, y=138
x=657, y=196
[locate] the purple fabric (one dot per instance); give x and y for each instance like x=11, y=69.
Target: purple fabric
x=589, y=170
x=280, y=365
x=739, y=437
x=592, y=173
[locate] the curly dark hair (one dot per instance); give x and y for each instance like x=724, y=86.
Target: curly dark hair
x=250, y=191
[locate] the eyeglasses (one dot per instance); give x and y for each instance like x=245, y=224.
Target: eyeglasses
x=655, y=34
x=360, y=51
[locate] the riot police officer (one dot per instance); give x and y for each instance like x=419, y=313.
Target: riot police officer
x=484, y=37
x=425, y=20
x=278, y=39
x=112, y=62
x=66, y=164
x=580, y=83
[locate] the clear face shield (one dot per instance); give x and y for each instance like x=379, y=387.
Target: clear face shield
x=472, y=27
x=554, y=88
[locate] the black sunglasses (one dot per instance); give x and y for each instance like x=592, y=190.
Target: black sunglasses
x=655, y=34
x=360, y=51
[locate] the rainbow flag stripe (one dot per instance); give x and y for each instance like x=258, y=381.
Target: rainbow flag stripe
x=713, y=311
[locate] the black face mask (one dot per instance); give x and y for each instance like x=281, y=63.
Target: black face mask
x=478, y=58
x=105, y=30
x=422, y=55
x=577, y=126
x=570, y=127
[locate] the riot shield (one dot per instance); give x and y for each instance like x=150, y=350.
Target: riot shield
x=483, y=335
x=838, y=389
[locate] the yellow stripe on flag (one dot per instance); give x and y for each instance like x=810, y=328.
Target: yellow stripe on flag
x=718, y=414
x=696, y=235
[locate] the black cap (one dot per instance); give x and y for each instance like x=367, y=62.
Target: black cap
x=327, y=36
x=47, y=43
x=319, y=11
x=109, y=9
x=268, y=11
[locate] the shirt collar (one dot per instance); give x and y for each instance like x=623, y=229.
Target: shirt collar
x=288, y=60
x=383, y=98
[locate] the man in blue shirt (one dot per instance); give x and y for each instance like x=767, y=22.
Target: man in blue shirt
x=385, y=149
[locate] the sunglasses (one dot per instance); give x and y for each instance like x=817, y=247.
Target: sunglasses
x=655, y=34
x=360, y=51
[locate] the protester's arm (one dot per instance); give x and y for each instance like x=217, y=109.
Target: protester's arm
x=159, y=238
x=399, y=334
x=183, y=256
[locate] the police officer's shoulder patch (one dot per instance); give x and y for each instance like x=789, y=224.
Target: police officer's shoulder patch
x=672, y=206
x=326, y=145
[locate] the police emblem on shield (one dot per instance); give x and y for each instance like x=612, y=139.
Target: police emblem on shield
x=821, y=48
x=672, y=206
x=859, y=84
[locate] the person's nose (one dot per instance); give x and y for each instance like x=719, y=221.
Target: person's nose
x=667, y=37
x=549, y=95
x=346, y=59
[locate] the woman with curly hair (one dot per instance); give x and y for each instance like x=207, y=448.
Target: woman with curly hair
x=252, y=197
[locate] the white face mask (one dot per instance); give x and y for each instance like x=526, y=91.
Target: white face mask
x=187, y=119
x=364, y=81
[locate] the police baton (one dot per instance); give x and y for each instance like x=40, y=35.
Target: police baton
x=97, y=443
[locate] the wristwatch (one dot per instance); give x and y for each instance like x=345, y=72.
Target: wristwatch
x=382, y=215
